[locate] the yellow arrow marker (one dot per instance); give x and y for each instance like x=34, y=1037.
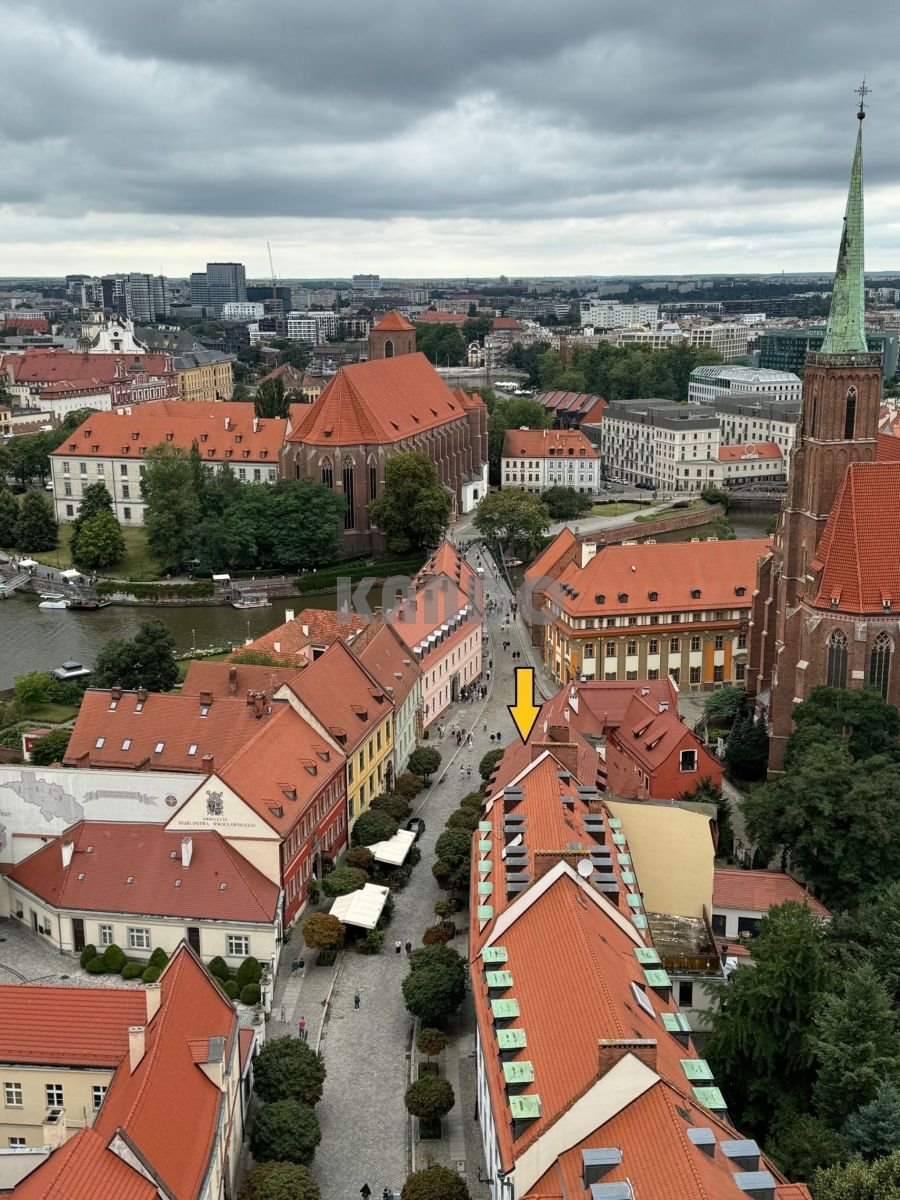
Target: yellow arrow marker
x=524, y=712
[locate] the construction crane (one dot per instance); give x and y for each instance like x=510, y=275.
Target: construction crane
x=272, y=273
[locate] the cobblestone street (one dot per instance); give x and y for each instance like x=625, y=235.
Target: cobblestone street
x=366, y=1130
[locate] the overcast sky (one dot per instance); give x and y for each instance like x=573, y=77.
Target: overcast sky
x=433, y=138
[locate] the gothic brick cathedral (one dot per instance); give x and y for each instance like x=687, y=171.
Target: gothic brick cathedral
x=823, y=609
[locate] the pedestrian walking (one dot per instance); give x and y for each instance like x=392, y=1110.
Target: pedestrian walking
x=469, y=769
x=301, y=1029
x=365, y=1191
x=409, y=948
x=283, y=1017
x=356, y=1005
x=398, y=946
x=498, y=736
x=462, y=769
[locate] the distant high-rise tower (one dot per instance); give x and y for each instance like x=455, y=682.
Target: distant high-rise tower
x=225, y=282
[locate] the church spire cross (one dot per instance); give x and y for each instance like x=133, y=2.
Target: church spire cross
x=845, y=332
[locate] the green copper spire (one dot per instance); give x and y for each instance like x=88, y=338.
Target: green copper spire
x=846, y=333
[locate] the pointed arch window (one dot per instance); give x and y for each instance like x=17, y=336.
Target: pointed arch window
x=836, y=671
x=388, y=349
x=880, y=664
x=850, y=415
x=812, y=414
x=373, y=479
x=347, y=477
x=327, y=473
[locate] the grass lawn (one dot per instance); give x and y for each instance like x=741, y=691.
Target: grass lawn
x=612, y=508
x=53, y=714
x=137, y=564
x=692, y=507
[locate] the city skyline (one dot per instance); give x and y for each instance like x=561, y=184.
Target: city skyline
x=584, y=141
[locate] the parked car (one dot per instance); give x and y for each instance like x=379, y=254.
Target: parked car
x=416, y=825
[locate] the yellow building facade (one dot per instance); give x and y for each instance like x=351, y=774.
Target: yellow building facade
x=204, y=376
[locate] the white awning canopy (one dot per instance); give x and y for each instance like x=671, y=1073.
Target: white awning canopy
x=395, y=849
x=361, y=908
x=71, y=574
x=28, y=562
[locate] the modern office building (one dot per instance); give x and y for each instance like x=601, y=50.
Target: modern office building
x=199, y=289
x=707, y=384
x=312, y=327
x=243, y=310
x=786, y=349
x=146, y=297
x=660, y=444
x=729, y=340
x=367, y=283
x=225, y=282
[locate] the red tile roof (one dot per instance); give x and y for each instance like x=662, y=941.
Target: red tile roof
x=224, y=432
x=82, y=1168
x=547, y=443
x=549, y=557
x=393, y=322
x=888, y=448
x=388, y=660
x=68, y=1026
x=142, y=1103
x=378, y=402
x=649, y=736
x=233, y=679
x=106, y=856
x=342, y=696
x=27, y=324
x=40, y=366
x=749, y=452
x=156, y=731
x=429, y=317
x=671, y=570
x=758, y=891
x=282, y=770
x=312, y=629
x=856, y=575
x=570, y=402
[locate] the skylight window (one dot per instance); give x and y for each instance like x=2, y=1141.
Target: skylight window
x=159, y=747
x=204, y=710
x=100, y=743
x=643, y=1000
x=126, y=744
x=192, y=749
x=113, y=705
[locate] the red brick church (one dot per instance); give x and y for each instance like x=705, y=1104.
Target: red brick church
x=823, y=611
x=370, y=411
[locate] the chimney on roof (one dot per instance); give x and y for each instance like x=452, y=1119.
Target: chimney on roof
x=232, y=680
x=136, y=1046
x=206, y=698
x=588, y=551
x=142, y=695
x=228, y=424
x=256, y=424
x=613, y=1050
x=288, y=615
x=208, y=764
x=115, y=693
x=68, y=849
x=154, y=999
x=259, y=703
x=187, y=851
x=305, y=629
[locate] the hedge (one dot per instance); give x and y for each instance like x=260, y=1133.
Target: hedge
x=325, y=580
x=87, y=954
x=151, y=974
x=231, y=989
x=156, y=591
x=250, y=994
x=132, y=970
x=114, y=959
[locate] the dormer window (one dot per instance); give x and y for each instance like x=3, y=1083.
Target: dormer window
x=695, y=593
x=170, y=437
x=204, y=437
x=623, y=597
x=599, y=598
x=653, y=595
x=740, y=591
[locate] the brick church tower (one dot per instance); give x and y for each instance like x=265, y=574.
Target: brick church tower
x=838, y=429
x=391, y=337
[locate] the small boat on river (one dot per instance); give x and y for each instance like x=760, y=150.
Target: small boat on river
x=54, y=600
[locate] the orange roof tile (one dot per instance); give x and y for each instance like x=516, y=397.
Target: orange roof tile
x=582, y=403
x=310, y=631
x=107, y=855
x=649, y=735
x=65, y=1026
x=342, y=696
x=388, y=660
x=669, y=570
x=224, y=679
x=283, y=769
x=758, y=891
x=548, y=443
x=381, y=401
x=141, y=1103
x=42, y=366
x=82, y=1168
x=393, y=322
x=749, y=452
x=888, y=448
x=159, y=731
x=856, y=575
x=549, y=557
x=224, y=432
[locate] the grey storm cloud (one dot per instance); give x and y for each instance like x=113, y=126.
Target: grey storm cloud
x=486, y=110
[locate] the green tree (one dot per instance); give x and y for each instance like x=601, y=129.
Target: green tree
x=172, y=507
x=859, y=1180
x=434, y=989
x=9, y=517
x=476, y=329
x=28, y=456
x=271, y=400
x=721, y=528
x=513, y=518
x=285, y=1131
x=146, y=661
x=877, y=930
x=442, y=344
x=565, y=504
x=31, y=689
x=36, y=527
x=874, y=1129
x=800, y=1143
x=395, y=806
x=424, y=761
x=760, y=1046
x=855, y=1043
x=747, y=748
x=865, y=721
x=50, y=748
x=279, y=1181
x=286, y=1069
x=99, y=542
x=343, y=880
x=429, y=1098
x=300, y=524
x=725, y=705
x=488, y=762
x=322, y=931
x=413, y=509
x=362, y=858
x=435, y=1183
x=371, y=827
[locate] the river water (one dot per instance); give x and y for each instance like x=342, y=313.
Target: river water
x=33, y=639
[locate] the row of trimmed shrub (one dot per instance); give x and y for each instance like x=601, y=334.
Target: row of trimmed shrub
x=241, y=984
x=156, y=591
x=113, y=961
